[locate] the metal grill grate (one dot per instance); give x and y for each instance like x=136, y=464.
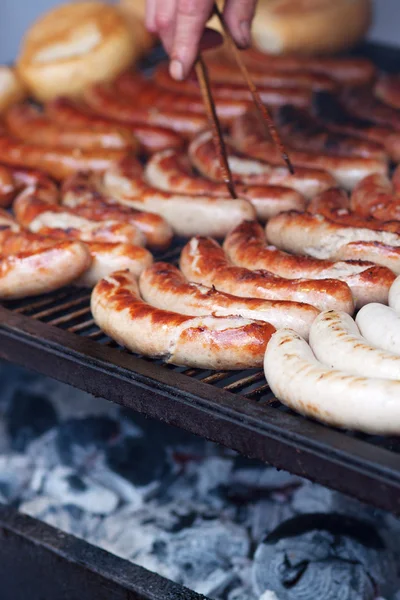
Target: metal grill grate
x=338, y=459
x=55, y=335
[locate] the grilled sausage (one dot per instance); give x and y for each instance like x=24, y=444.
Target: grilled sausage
x=146, y=93
x=380, y=326
x=378, y=197
x=204, y=261
x=65, y=111
x=7, y=187
x=56, y=162
x=346, y=71
x=246, y=246
x=226, y=79
x=329, y=110
x=202, y=342
x=29, y=125
x=187, y=215
x=308, y=182
x=52, y=220
x=347, y=170
x=334, y=204
x=108, y=258
x=336, y=341
x=164, y=286
x=275, y=90
x=32, y=264
x=307, y=386
x=105, y=102
x=170, y=171
x=14, y=179
x=314, y=235
x=80, y=192
x=387, y=89
x=302, y=132
x=362, y=103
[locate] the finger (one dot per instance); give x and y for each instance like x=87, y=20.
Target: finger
x=151, y=6
x=238, y=16
x=165, y=20
x=191, y=19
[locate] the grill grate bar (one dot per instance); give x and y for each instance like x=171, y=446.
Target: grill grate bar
x=60, y=307
x=69, y=317
x=25, y=308
x=244, y=381
x=81, y=326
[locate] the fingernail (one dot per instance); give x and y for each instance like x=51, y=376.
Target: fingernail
x=245, y=31
x=176, y=70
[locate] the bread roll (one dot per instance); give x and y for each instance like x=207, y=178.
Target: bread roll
x=73, y=46
x=12, y=89
x=307, y=26
x=310, y=26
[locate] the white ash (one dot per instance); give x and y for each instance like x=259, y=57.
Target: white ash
x=172, y=503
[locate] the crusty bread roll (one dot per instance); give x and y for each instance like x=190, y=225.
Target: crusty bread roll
x=308, y=26
x=12, y=89
x=73, y=46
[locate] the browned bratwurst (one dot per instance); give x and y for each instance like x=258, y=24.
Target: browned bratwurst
x=56, y=162
x=362, y=103
x=331, y=113
x=152, y=138
x=162, y=285
x=146, y=93
x=30, y=125
x=334, y=204
x=187, y=215
x=31, y=264
x=80, y=193
x=203, y=156
x=203, y=342
x=247, y=247
x=106, y=102
x=227, y=79
x=346, y=71
x=387, y=89
x=203, y=261
x=315, y=235
x=378, y=197
x=347, y=170
x=170, y=171
x=39, y=216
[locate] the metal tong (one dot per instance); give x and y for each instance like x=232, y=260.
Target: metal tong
x=262, y=111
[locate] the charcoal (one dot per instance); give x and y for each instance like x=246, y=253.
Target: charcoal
x=68, y=487
x=327, y=556
x=139, y=460
x=94, y=432
x=203, y=549
x=27, y=417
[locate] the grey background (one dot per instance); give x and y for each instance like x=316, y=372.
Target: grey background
x=16, y=15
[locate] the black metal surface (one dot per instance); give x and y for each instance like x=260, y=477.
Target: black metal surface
x=38, y=562
x=56, y=336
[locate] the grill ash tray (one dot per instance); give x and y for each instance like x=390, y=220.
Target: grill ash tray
x=56, y=336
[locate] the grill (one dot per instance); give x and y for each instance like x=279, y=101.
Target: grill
x=56, y=335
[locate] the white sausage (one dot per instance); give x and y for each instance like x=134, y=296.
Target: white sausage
x=380, y=325
x=336, y=341
x=301, y=382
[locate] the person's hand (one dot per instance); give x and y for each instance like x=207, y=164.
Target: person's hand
x=181, y=27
